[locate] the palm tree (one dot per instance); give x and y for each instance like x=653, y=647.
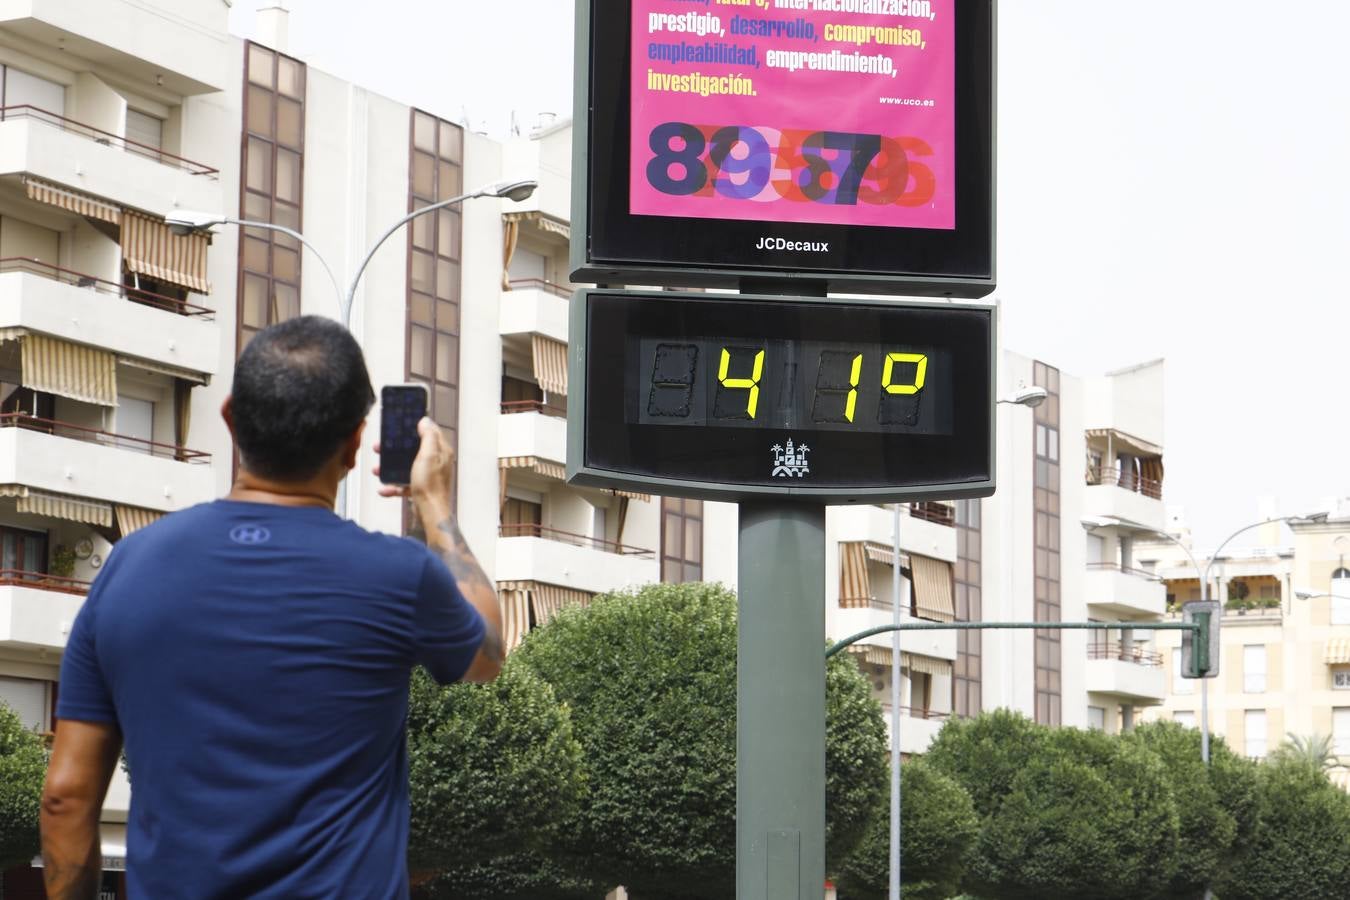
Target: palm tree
x=1316, y=750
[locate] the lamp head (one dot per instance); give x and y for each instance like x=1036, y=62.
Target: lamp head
x=1305, y=594
x=513, y=190
x=185, y=221
x=1028, y=396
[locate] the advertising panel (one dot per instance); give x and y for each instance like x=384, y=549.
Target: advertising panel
x=836, y=112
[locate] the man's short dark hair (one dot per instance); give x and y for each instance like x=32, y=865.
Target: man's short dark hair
x=300, y=389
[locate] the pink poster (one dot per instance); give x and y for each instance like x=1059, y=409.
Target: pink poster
x=837, y=112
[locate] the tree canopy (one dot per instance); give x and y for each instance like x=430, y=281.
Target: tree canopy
x=650, y=677
x=23, y=766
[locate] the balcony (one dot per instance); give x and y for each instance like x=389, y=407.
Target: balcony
x=936, y=644
x=918, y=728
x=924, y=533
x=1126, y=592
x=86, y=310
x=526, y=432
x=1110, y=494
x=1131, y=673
x=70, y=459
x=535, y=306
x=92, y=161
x=36, y=611
x=185, y=46
x=527, y=552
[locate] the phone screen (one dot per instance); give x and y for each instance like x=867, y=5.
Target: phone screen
x=402, y=406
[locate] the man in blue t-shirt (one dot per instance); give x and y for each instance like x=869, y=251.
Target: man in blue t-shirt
x=254, y=654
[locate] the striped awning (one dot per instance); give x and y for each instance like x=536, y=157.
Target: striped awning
x=933, y=591
x=515, y=607
x=69, y=370
x=1125, y=442
x=149, y=248
x=645, y=498
x=133, y=518
x=876, y=655
x=1338, y=651
x=58, y=506
x=855, y=586
x=72, y=201
x=880, y=553
x=545, y=599
x=545, y=467
x=550, y=364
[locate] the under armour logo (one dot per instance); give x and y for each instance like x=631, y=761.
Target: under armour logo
x=250, y=534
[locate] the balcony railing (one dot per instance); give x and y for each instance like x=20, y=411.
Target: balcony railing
x=1124, y=653
x=98, y=135
x=1125, y=480
x=884, y=603
x=539, y=284
x=1125, y=570
x=932, y=715
x=103, y=438
x=512, y=407
x=526, y=529
x=81, y=280
x=55, y=583
x=937, y=513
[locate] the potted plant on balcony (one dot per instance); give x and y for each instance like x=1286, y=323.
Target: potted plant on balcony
x=1238, y=597
x=62, y=563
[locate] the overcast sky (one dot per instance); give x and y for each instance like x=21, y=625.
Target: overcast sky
x=1173, y=183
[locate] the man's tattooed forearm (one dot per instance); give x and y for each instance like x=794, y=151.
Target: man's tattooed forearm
x=459, y=559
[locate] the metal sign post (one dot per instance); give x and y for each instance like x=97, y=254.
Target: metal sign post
x=780, y=702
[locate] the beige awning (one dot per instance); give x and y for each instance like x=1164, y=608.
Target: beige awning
x=133, y=518
x=149, y=248
x=933, y=588
x=1127, y=443
x=72, y=201
x=58, y=506
x=550, y=364
x=69, y=370
x=1338, y=651
x=880, y=553
x=546, y=599
x=645, y=498
x=546, y=224
x=546, y=468
x=855, y=586
x=146, y=365
x=881, y=656
x=515, y=607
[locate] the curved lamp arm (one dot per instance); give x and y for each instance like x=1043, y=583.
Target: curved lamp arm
x=291, y=232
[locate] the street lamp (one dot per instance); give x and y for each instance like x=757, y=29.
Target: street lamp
x=188, y=221
x=1030, y=397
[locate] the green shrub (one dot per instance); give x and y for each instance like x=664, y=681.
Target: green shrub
x=23, y=767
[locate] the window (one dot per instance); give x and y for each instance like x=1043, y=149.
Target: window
x=22, y=89
x=145, y=130
x=968, y=670
x=1046, y=530
x=1096, y=718
x=1255, y=729
x=1340, y=731
x=1183, y=717
x=1254, y=669
x=1340, y=597
x=435, y=157
x=1180, y=685
x=135, y=419
x=271, y=190
x=681, y=540
x=521, y=518
x=28, y=698
x=1340, y=679
x=22, y=551
x=599, y=525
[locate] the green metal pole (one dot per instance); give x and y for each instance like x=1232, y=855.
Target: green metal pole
x=780, y=703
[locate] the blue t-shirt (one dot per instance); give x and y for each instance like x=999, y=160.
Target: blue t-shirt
x=256, y=658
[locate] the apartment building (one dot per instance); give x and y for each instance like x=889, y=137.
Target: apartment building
x=1285, y=635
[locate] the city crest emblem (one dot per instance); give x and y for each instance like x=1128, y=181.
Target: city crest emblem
x=790, y=461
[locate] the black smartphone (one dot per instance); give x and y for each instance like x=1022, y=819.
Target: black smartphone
x=402, y=406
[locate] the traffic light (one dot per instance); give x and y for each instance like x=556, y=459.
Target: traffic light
x=1200, y=649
